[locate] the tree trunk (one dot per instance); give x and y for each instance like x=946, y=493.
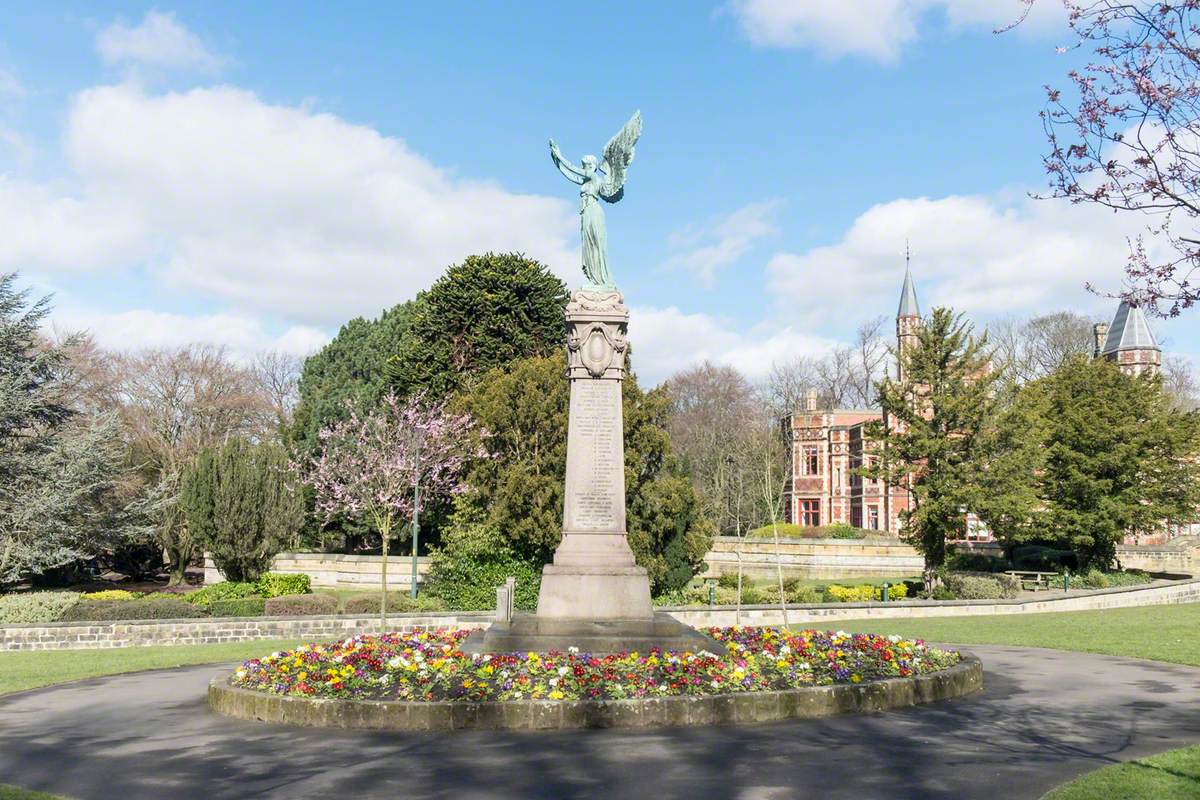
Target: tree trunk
x=385, y=532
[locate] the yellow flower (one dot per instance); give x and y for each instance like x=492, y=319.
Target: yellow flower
x=556, y=695
x=855, y=678
x=302, y=676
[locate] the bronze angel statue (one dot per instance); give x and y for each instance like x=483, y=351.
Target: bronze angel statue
x=600, y=180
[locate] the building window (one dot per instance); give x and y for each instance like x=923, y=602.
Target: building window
x=810, y=513
x=837, y=477
x=810, y=460
x=873, y=518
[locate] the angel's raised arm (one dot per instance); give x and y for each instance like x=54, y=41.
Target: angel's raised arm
x=569, y=170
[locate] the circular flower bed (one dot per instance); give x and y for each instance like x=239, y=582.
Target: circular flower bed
x=429, y=666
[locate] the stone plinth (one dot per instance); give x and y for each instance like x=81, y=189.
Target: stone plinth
x=593, y=575
x=593, y=596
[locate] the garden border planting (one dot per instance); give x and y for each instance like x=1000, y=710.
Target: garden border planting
x=91, y=635
x=810, y=702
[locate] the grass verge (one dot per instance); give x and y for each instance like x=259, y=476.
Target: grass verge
x=13, y=793
x=1173, y=775
x=1159, y=633
x=21, y=671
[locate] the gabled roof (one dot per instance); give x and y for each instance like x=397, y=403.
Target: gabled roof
x=1128, y=331
x=908, y=297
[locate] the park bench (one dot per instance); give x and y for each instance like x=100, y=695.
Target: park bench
x=1033, y=580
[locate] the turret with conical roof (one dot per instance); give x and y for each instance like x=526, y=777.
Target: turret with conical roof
x=908, y=316
x=1130, y=342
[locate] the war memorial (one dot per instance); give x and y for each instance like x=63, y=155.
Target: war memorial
x=594, y=623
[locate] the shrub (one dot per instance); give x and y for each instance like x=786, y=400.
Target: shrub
x=840, y=530
x=790, y=530
x=982, y=587
x=160, y=607
x=238, y=607
x=864, y=594
x=301, y=605
x=111, y=594
x=225, y=590
x=30, y=607
x=729, y=580
x=473, y=561
x=805, y=594
x=1044, y=559
x=975, y=562
x=399, y=602
x=942, y=593
x=240, y=505
x=275, y=584
x=1128, y=578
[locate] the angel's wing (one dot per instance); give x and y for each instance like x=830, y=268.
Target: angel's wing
x=618, y=155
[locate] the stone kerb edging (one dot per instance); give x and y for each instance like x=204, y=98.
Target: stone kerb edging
x=810, y=702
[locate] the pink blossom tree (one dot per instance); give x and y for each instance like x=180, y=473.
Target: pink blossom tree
x=374, y=467
x=1127, y=137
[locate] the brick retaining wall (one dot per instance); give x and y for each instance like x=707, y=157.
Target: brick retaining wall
x=84, y=635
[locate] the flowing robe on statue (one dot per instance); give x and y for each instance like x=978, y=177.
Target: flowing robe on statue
x=594, y=236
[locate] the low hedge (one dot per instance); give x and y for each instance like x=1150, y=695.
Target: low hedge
x=111, y=594
x=969, y=586
x=276, y=584
x=790, y=530
x=159, y=607
x=300, y=605
x=225, y=590
x=1095, y=579
x=398, y=602
x=238, y=607
x=28, y=608
x=865, y=593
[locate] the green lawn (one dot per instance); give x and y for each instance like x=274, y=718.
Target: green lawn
x=1160, y=633
x=1173, y=775
x=20, y=671
x=13, y=793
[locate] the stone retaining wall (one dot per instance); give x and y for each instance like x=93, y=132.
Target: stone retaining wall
x=813, y=558
x=94, y=635
x=85, y=635
x=843, y=558
x=747, y=707
x=336, y=570
x=1163, y=593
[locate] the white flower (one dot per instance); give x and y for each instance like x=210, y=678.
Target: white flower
x=554, y=681
x=893, y=638
x=572, y=649
x=338, y=659
x=562, y=670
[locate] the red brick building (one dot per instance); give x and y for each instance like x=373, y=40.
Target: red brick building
x=827, y=446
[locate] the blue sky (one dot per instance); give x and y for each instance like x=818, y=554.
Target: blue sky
x=256, y=174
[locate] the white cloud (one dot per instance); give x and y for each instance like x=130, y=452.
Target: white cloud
x=985, y=255
x=704, y=250
x=877, y=29
x=244, y=335
x=270, y=208
x=158, y=41
x=10, y=87
x=666, y=340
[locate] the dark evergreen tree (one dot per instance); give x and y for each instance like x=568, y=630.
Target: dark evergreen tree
x=61, y=472
x=241, y=506
x=517, y=492
x=351, y=367
x=933, y=435
x=484, y=313
x=1118, y=458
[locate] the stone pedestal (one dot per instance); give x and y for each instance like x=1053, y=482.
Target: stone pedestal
x=593, y=596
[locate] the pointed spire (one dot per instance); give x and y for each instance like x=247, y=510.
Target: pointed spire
x=1129, y=331
x=908, y=295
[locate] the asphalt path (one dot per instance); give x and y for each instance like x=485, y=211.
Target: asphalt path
x=1044, y=717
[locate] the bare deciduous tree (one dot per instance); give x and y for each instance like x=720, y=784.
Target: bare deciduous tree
x=1032, y=348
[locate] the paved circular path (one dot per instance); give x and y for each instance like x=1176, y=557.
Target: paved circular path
x=1044, y=717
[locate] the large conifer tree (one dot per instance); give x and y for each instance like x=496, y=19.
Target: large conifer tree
x=933, y=435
